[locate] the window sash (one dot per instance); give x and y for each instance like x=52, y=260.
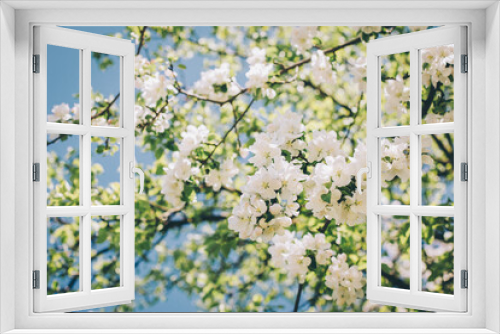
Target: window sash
x=413, y=298
x=85, y=298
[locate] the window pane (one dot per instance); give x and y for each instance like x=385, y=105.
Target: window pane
x=63, y=170
x=437, y=84
x=395, y=251
x=395, y=170
x=437, y=254
x=105, y=171
x=105, y=252
x=63, y=84
x=105, y=80
x=437, y=169
x=395, y=89
x=63, y=254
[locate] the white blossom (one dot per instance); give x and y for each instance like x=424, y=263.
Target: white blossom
x=264, y=150
x=258, y=56
x=172, y=188
x=60, y=112
x=289, y=253
x=396, y=93
x=321, y=68
x=302, y=38
x=345, y=281
x=156, y=87
x=324, y=144
x=258, y=75
x=192, y=138
x=76, y=111
x=395, y=159
x=162, y=121
x=217, y=178
x=358, y=70
x=217, y=83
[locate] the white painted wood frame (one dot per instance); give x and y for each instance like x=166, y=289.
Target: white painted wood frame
x=415, y=297
x=86, y=43
x=482, y=18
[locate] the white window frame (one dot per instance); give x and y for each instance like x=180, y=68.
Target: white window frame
x=413, y=43
x=85, y=43
x=484, y=103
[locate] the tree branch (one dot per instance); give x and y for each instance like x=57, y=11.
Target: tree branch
x=141, y=40
x=327, y=51
x=202, y=98
x=297, y=299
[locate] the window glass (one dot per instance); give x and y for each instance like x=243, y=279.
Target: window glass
x=63, y=256
x=105, y=80
x=63, y=84
x=63, y=170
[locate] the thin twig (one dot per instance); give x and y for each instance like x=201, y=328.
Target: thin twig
x=327, y=51
x=229, y=131
x=141, y=40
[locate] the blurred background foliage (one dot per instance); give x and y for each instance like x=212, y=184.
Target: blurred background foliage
x=187, y=260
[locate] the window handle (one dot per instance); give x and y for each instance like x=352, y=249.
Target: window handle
x=133, y=170
x=364, y=170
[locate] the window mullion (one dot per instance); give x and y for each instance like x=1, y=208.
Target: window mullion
x=414, y=172
x=86, y=274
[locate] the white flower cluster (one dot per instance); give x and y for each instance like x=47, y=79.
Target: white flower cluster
x=323, y=144
x=63, y=114
x=289, y=253
x=293, y=255
x=440, y=60
x=395, y=159
x=396, y=93
x=302, y=38
x=154, y=79
x=217, y=83
x=345, y=281
x=223, y=176
x=181, y=170
x=358, y=71
x=161, y=121
x=324, y=189
x=141, y=68
x=436, y=118
x=268, y=201
x=270, y=195
x=157, y=86
x=259, y=71
x=322, y=69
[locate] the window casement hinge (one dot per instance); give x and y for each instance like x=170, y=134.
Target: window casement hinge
x=464, y=277
x=36, y=279
x=465, y=64
x=36, y=63
x=464, y=171
x=36, y=172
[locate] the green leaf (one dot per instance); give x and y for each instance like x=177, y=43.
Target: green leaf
x=181, y=66
x=287, y=155
x=225, y=249
x=102, y=236
x=317, y=41
x=158, y=153
x=327, y=197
